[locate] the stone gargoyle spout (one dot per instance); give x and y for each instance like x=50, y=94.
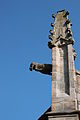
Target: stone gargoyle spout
x=43, y=68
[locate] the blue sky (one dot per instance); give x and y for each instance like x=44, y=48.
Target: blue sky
x=24, y=30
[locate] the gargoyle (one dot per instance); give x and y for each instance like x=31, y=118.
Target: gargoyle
x=43, y=68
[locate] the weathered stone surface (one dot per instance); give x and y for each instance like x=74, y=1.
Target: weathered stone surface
x=63, y=70
x=43, y=68
x=65, y=99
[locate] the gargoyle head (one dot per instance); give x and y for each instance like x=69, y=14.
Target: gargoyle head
x=32, y=66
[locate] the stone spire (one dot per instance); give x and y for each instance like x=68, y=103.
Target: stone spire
x=63, y=70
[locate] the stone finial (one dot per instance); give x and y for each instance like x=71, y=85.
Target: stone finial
x=61, y=33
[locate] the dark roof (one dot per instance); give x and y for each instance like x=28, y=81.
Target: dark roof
x=45, y=116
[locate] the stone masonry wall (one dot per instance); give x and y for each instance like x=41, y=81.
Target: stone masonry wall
x=78, y=88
